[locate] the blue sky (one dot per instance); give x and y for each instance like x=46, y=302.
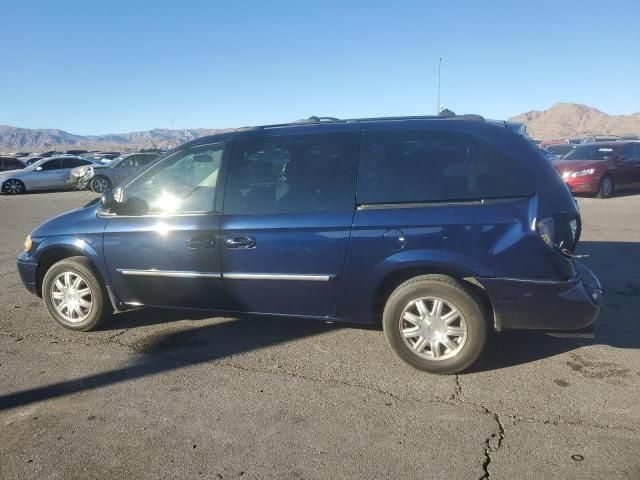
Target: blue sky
x=92, y=67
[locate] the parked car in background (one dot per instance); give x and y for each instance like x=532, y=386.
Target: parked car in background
x=587, y=139
x=601, y=168
x=559, y=150
x=100, y=178
x=47, y=173
x=10, y=163
x=102, y=156
x=458, y=227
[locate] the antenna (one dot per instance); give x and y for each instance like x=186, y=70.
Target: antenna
x=439, y=68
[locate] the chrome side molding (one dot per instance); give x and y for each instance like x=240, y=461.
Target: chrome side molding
x=169, y=273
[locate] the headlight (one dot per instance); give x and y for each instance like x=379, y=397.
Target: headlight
x=27, y=243
x=582, y=173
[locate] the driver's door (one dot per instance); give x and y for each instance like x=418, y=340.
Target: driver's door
x=169, y=255
x=47, y=174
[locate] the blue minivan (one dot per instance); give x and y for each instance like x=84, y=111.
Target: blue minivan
x=441, y=229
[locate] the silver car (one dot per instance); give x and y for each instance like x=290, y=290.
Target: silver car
x=47, y=173
x=102, y=177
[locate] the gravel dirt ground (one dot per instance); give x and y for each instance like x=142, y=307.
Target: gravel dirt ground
x=163, y=394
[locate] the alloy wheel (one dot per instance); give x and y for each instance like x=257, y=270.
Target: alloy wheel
x=606, y=187
x=433, y=328
x=13, y=187
x=100, y=185
x=72, y=297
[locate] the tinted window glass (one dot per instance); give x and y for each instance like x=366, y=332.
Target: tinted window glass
x=73, y=162
x=303, y=173
x=184, y=182
x=127, y=162
x=590, y=152
x=144, y=159
x=51, y=164
x=397, y=167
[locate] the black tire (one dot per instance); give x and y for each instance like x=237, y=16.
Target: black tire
x=453, y=293
x=606, y=188
x=100, y=309
x=96, y=181
x=13, y=186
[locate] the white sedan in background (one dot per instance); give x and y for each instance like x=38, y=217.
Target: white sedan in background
x=45, y=174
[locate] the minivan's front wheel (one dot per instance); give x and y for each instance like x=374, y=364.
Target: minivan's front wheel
x=435, y=324
x=74, y=296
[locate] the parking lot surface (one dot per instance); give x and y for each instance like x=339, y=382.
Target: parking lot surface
x=173, y=394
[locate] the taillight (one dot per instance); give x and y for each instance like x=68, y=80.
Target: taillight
x=560, y=232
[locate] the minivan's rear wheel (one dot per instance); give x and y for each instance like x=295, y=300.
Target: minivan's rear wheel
x=13, y=187
x=100, y=184
x=435, y=324
x=74, y=295
x=606, y=187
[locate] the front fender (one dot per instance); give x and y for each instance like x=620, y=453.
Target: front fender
x=87, y=245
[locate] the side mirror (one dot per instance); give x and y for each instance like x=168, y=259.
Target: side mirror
x=107, y=200
x=38, y=169
x=133, y=206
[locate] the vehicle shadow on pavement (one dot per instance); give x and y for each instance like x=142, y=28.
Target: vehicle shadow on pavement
x=615, y=263
x=186, y=347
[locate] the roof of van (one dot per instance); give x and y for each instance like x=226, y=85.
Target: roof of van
x=317, y=124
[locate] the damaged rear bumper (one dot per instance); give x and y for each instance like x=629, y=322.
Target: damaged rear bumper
x=549, y=305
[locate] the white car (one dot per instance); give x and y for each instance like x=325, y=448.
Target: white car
x=102, y=177
x=45, y=174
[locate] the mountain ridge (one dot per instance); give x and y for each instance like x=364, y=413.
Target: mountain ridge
x=562, y=120
x=565, y=120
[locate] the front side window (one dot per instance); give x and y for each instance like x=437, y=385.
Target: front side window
x=184, y=182
x=435, y=166
x=292, y=174
x=51, y=164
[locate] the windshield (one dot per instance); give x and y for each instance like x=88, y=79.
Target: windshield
x=590, y=152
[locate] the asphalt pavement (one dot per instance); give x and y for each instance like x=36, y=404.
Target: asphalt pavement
x=173, y=394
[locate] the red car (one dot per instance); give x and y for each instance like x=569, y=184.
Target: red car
x=601, y=168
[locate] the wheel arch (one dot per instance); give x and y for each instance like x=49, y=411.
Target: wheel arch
x=53, y=255
x=394, y=279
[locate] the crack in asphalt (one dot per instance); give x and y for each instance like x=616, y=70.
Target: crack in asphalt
x=457, y=390
x=496, y=437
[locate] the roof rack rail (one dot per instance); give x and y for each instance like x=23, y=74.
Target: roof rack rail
x=315, y=120
x=472, y=117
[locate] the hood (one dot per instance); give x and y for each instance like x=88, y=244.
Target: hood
x=74, y=222
x=575, y=165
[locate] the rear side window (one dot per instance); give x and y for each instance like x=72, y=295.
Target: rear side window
x=73, y=162
x=292, y=174
x=434, y=166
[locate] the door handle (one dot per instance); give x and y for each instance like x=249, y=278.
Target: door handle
x=201, y=242
x=240, y=242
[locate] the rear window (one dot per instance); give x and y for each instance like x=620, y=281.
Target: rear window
x=433, y=166
x=590, y=152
